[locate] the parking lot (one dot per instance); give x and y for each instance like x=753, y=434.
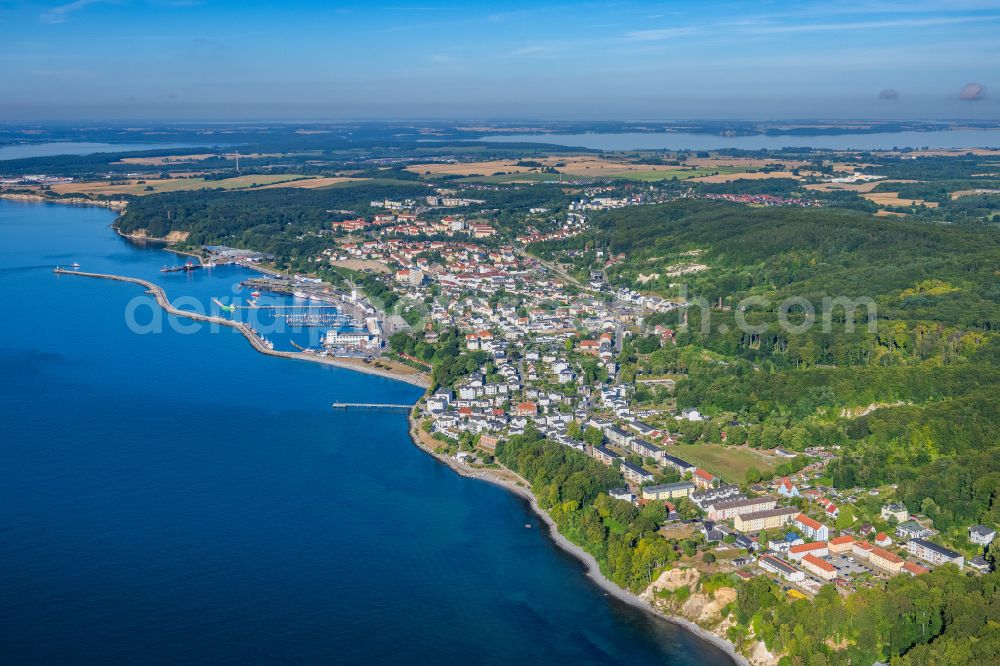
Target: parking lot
x=848, y=567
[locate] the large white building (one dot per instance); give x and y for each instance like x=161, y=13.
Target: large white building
x=933, y=553
x=780, y=567
x=358, y=339
x=727, y=509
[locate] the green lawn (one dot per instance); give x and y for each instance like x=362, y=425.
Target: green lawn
x=729, y=463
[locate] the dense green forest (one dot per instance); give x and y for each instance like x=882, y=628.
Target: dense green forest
x=572, y=488
x=944, y=617
x=271, y=220
x=914, y=271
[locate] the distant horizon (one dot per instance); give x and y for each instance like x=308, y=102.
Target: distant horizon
x=458, y=120
x=187, y=59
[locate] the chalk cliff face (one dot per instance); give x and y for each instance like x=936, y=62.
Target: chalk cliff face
x=80, y=201
x=676, y=594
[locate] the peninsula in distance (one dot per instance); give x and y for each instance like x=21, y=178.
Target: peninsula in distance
x=640, y=332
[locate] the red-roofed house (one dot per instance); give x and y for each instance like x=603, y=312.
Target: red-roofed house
x=817, y=548
x=526, y=409
x=819, y=567
x=862, y=550
x=702, y=479
x=829, y=508
x=883, y=559
x=787, y=489
x=841, y=544
x=811, y=528
x=882, y=540
x=913, y=568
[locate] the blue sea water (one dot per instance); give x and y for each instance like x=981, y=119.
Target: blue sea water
x=180, y=498
x=963, y=138
x=19, y=151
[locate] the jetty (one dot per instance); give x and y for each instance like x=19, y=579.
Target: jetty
x=248, y=332
x=279, y=308
x=370, y=405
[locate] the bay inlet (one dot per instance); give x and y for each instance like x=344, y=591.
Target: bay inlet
x=180, y=497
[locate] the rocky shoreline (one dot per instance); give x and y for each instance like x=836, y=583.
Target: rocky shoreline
x=519, y=486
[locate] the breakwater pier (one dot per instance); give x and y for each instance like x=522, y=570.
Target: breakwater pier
x=369, y=405
x=248, y=332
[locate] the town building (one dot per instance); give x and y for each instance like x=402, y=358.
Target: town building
x=933, y=553
x=781, y=568
x=703, y=479
x=622, y=493
x=727, y=509
x=982, y=535
x=819, y=568
x=704, y=498
x=810, y=528
x=618, y=436
x=764, y=520
x=911, y=529
x=913, y=569
x=681, y=466
x=787, y=489
x=668, y=491
x=603, y=454
x=646, y=449
x=636, y=474
x=841, y=544
x=883, y=559
x=897, y=511
x=979, y=563
x=817, y=548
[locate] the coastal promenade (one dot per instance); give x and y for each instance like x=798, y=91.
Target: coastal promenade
x=417, y=379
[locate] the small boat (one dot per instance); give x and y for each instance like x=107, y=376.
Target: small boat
x=255, y=294
x=74, y=265
x=210, y=264
x=299, y=294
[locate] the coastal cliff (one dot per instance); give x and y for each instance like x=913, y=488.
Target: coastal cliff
x=113, y=204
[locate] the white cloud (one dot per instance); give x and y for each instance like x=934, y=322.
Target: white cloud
x=61, y=13
x=660, y=34
x=870, y=25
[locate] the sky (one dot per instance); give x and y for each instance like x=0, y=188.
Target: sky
x=235, y=60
